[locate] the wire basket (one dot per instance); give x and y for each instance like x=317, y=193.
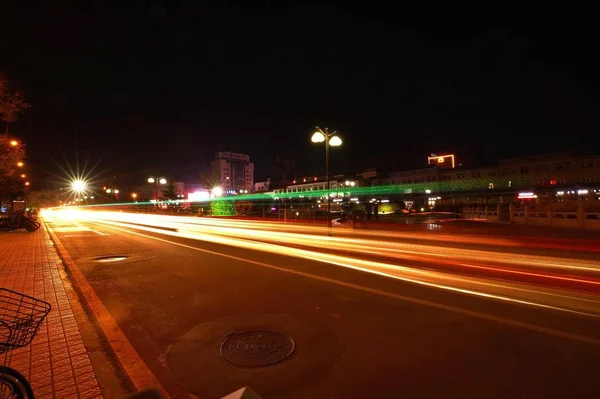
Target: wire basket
x=20, y=318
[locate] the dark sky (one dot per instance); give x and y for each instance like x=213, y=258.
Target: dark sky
x=152, y=88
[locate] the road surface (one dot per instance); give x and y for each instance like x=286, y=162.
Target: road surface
x=410, y=313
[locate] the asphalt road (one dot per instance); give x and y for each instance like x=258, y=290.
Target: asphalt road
x=384, y=322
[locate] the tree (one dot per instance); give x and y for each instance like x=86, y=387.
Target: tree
x=281, y=169
x=12, y=102
x=11, y=153
x=44, y=198
x=170, y=192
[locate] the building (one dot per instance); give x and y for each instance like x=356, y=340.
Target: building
x=190, y=191
x=234, y=172
x=555, y=169
x=313, y=183
x=262, y=186
x=560, y=169
x=444, y=184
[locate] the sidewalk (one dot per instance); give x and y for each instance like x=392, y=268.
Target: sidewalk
x=57, y=363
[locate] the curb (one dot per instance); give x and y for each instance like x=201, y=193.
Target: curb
x=136, y=370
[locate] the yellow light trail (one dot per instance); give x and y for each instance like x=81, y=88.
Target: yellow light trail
x=259, y=238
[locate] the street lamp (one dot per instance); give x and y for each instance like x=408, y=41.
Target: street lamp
x=78, y=186
x=14, y=143
x=20, y=164
x=134, y=196
x=217, y=191
x=330, y=139
x=157, y=181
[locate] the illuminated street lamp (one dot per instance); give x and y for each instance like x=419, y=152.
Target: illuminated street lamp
x=156, y=181
x=14, y=143
x=330, y=139
x=216, y=191
x=78, y=186
x=134, y=196
x=20, y=164
x=108, y=191
x=26, y=183
x=23, y=176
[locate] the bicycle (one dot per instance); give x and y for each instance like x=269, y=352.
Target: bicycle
x=20, y=318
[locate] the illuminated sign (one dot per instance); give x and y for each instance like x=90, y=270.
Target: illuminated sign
x=440, y=159
x=527, y=195
x=199, y=196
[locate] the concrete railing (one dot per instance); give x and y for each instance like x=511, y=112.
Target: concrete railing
x=482, y=212
x=579, y=219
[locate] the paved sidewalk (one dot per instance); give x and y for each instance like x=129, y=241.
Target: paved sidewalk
x=57, y=363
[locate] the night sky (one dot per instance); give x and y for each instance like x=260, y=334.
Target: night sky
x=149, y=88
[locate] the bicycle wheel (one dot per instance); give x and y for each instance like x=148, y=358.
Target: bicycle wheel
x=13, y=385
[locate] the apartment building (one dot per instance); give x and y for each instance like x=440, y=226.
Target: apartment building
x=233, y=171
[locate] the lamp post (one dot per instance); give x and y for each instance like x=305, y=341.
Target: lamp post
x=156, y=181
x=330, y=139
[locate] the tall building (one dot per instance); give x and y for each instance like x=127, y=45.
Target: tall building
x=233, y=171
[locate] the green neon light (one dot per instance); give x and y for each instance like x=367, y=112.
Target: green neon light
x=395, y=189
x=435, y=188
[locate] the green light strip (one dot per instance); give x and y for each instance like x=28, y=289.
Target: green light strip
x=374, y=191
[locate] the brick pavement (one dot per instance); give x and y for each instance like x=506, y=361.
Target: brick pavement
x=56, y=363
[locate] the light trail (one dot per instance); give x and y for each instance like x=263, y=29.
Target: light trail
x=259, y=238
x=307, y=237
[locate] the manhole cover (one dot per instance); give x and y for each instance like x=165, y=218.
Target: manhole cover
x=257, y=347
x=110, y=258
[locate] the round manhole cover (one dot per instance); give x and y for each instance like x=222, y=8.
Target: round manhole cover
x=257, y=347
x=110, y=258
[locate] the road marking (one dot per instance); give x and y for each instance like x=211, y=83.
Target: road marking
x=371, y=266
x=95, y=231
x=497, y=319
x=77, y=235
x=71, y=229
x=136, y=369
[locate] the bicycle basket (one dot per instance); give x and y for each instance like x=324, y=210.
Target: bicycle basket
x=20, y=318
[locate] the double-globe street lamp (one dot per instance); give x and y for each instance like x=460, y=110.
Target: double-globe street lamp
x=330, y=139
x=156, y=181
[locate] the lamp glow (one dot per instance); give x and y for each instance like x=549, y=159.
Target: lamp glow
x=335, y=141
x=78, y=186
x=317, y=137
x=217, y=191
x=163, y=181
x=151, y=180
